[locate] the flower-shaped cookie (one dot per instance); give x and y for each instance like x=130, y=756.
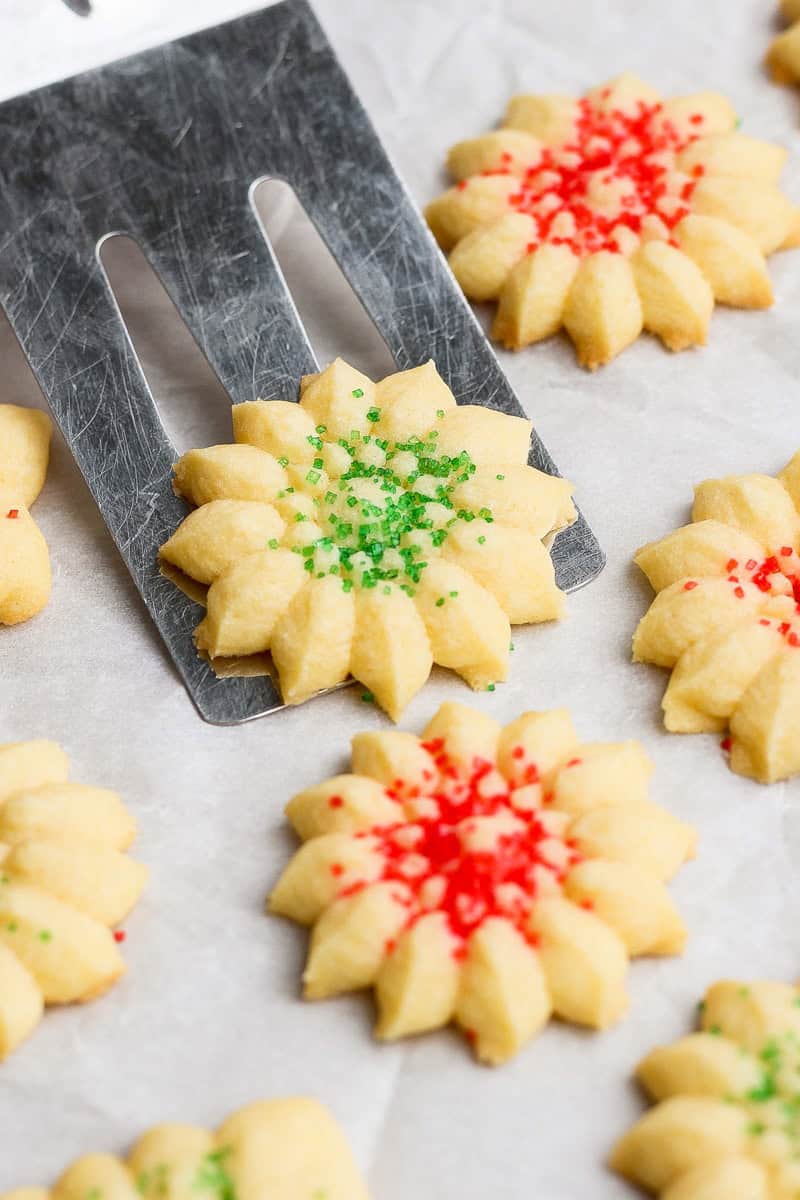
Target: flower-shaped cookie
x=726, y=620
x=272, y=1150
x=783, y=57
x=611, y=214
x=372, y=530
x=491, y=876
x=64, y=883
x=24, y=559
x=727, y=1121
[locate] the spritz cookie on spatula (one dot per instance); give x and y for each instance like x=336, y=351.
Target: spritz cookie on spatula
x=370, y=530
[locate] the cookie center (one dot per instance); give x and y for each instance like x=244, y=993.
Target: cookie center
x=474, y=847
x=388, y=510
x=614, y=183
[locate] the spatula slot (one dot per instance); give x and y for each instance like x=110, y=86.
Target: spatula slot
x=193, y=405
x=335, y=320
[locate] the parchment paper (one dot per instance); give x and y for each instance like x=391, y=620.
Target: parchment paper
x=208, y=1016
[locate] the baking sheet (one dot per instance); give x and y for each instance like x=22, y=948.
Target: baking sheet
x=208, y=1016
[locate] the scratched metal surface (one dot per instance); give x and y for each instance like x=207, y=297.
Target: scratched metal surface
x=165, y=147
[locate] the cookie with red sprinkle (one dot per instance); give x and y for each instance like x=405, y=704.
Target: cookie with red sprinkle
x=24, y=558
x=611, y=214
x=492, y=876
x=726, y=1121
x=726, y=620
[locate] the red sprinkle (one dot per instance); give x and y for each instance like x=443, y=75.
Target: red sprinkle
x=739, y=593
x=786, y=551
x=587, y=904
x=574, y=762
x=336, y=802
x=732, y=564
x=439, y=867
x=12, y=514
x=726, y=744
x=462, y=183
x=120, y=935
x=690, y=585
x=617, y=151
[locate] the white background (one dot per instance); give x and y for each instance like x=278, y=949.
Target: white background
x=208, y=1016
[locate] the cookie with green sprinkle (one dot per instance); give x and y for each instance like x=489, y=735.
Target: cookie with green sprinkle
x=727, y=1117
x=372, y=530
x=288, y=1149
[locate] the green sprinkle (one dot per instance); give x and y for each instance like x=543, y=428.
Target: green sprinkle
x=284, y=462
x=45, y=935
x=756, y=1128
x=481, y=539
x=212, y=1176
x=300, y=517
x=440, y=413
x=273, y=543
x=454, y=594
x=715, y=1030
x=440, y=602
x=154, y=1182
x=322, y=429
x=373, y=414
x=312, y=477
x=317, y=464
x=368, y=697
x=490, y=687
x=347, y=585
x=330, y=497
x=511, y=647
x=12, y=927
x=357, y=393
x=499, y=476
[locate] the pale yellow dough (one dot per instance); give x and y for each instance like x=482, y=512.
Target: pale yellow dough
x=65, y=881
x=288, y=1149
x=549, y=218
x=726, y=1125
x=492, y=876
x=371, y=530
x=726, y=620
x=24, y=560
x=783, y=56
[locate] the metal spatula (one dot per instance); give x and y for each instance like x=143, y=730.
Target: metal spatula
x=166, y=146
